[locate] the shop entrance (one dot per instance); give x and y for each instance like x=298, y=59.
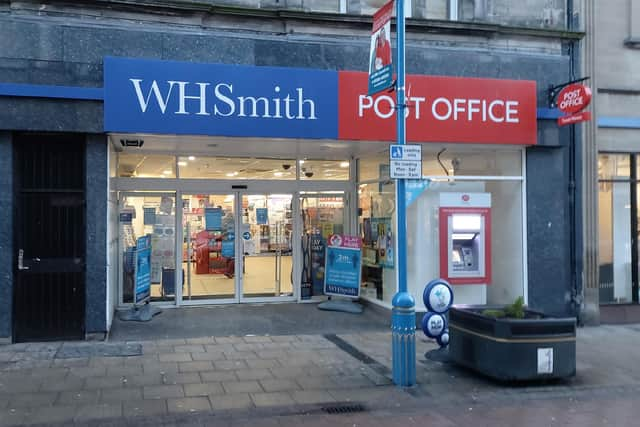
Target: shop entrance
x=237, y=247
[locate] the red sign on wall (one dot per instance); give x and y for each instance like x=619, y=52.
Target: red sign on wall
x=441, y=109
x=572, y=100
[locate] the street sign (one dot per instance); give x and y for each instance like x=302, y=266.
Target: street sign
x=405, y=161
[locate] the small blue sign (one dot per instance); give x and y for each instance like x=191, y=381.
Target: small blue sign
x=246, y=235
x=231, y=235
x=143, y=269
x=213, y=219
x=396, y=152
x=342, y=271
x=262, y=216
x=126, y=217
x=228, y=249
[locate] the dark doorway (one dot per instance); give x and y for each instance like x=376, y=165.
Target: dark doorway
x=50, y=228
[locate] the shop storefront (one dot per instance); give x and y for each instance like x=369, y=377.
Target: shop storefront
x=240, y=173
x=253, y=229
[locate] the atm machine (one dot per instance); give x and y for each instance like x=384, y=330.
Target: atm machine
x=465, y=244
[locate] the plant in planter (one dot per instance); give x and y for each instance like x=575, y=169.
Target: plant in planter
x=512, y=342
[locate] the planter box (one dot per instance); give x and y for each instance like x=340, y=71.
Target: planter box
x=533, y=348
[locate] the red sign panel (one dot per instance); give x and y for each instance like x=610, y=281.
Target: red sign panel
x=574, y=118
x=441, y=109
x=574, y=98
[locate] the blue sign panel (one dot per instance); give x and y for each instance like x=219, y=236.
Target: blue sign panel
x=143, y=269
x=228, y=249
x=342, y=272
x=231, y=235
x=215, y=99
x=213, y=219
x=246, y=235
x=262, y=216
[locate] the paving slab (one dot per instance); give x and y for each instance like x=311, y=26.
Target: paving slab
x=189, y=404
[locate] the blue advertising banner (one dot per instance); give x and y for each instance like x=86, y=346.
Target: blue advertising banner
x=213, y=219
x=262, y=216
x=143, y=269
x=172, y=97
x=342, y=272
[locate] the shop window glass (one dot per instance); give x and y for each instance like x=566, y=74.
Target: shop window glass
x=373, y=167
x=135, y=165
x=143, y=214
x=614, y=242
x=455, y=162
x=324, y=170
x=613, y=166
x=376, y=223
x=236, y=168
x=506, y=258
x=470, y=162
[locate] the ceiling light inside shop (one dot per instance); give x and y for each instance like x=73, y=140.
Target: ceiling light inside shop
x=344, y=164
x=182, y=163
x=192, y=158
x=167, y=172
x=230, y=174
x=278, y=174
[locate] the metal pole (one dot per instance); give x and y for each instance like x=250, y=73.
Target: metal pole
x=403, y=319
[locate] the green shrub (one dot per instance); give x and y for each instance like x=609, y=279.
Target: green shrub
x=514, y=311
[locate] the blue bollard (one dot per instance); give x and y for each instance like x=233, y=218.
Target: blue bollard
x=403, y=337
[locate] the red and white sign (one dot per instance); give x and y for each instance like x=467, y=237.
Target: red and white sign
x=572, y=100
x=344, y=241
x=441, y=109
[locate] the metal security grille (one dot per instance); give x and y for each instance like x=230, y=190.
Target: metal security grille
x=49, y=293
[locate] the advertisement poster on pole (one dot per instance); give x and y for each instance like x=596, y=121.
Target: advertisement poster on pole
x=143, y=269
x=343, y=266
x=380, y=64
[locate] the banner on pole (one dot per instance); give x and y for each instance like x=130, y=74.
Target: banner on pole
x=380, y=64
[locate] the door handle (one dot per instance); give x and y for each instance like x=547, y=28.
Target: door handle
x=21, y=265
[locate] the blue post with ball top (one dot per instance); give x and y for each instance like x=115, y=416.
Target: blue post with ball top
x=403, y=318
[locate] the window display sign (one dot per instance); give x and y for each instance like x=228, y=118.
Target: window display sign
x=262, y=216
x=383, y=237
x=318, y=244
x=213, y=219
x=228, y=249
x=143, y=269
x=343, y=266
x=149, y=216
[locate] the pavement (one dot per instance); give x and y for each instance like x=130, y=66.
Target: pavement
x=303, y=379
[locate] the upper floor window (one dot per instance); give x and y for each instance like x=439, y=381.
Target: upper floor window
x=550, y=14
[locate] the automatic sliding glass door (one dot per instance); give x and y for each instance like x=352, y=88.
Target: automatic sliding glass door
x=209, y=247
x=267, y=254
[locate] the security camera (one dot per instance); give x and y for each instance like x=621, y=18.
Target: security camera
x=286, y=167
x=308, y=174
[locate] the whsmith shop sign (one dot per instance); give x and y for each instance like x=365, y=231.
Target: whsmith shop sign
x=166, y=97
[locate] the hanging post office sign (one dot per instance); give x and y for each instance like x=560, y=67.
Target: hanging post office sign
x=572, y=100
